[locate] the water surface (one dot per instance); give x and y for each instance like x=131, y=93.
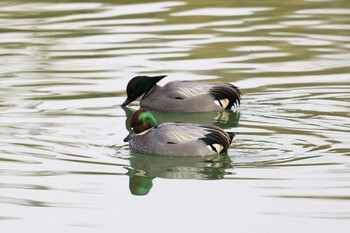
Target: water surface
x=64, y=67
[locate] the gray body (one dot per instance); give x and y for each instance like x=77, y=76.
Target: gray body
x=186, y=96
x=171, y=139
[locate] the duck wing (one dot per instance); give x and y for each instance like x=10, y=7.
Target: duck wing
x=177, y=133
x=225, y=94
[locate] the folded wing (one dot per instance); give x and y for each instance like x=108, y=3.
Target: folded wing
x=215, y=138
x=224, y=94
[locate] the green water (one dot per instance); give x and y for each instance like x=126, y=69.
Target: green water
x=64, y=66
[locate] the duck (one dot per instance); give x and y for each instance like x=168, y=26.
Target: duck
x=175, y=139
x=182, y=96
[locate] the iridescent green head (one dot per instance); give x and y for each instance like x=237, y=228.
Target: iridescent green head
x=141, y=121
x=140, y=85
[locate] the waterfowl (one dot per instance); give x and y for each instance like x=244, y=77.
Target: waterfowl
x=182, y=96
x=175, y=139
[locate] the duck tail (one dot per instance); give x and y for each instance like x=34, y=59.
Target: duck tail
x=226, y=94
x=218, y=140
x=232, y=135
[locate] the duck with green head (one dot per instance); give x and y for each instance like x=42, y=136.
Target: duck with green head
x=182, y=96
x=175, y=139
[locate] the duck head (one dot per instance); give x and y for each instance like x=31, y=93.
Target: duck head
x=141, y=121
x=140, y=85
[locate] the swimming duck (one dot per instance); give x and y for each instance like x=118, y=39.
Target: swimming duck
x=182, y=96
x=175, y=139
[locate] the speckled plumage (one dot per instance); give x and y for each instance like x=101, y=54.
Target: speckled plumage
x=176, y=139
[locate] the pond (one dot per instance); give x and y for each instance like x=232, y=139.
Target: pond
x=64, y=67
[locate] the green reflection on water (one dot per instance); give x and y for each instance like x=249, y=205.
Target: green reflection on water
x=144, y=168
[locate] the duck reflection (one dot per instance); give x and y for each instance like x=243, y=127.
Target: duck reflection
x=144, y=168
x=225, y=120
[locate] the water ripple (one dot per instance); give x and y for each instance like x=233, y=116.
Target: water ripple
x=64, y=68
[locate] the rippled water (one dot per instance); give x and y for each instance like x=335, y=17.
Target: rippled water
x=64, y=66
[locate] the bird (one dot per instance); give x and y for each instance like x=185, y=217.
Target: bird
x=175, y=139
x=182, y=96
